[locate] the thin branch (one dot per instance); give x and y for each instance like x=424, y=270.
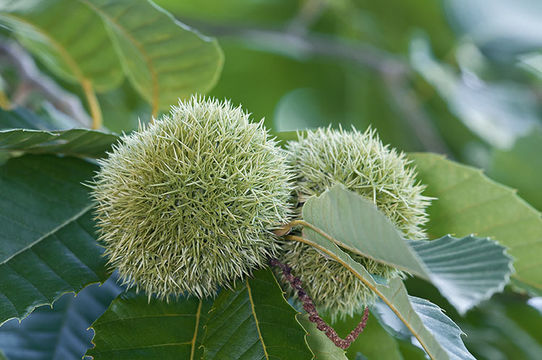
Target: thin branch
x=394, y=71
x=32, y=78
x=308, y=305
x=94, y=105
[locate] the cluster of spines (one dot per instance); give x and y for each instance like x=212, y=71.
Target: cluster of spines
x=188, y=203
x=325, y=157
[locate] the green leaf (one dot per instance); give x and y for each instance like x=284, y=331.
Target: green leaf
x=467, y=270
x=138, y=327
x=47, y=242
x=468, y=202
x=163, y=58
x=254, y=321
x=354, y=223
x=322, y=347
x=69, y=38
x=22, y=118
x=394, y=296
x=521, y=167
x=74, y=142
x=60, y=332
x=447, y=333
x=506, y=329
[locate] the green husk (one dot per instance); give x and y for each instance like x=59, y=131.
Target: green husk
x=187, y=204
x=326, y=157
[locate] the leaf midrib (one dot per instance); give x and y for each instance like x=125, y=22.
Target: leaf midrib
x=46, y=235
x=253, y=308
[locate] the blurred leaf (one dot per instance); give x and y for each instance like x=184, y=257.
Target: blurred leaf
x=498, y=112
x=322, y=347
x=395, y=296
x=237, y=11
x=254, y=321
x=60, y=333
x=47, y=242
x=507, y=329
x=503, y=29
x=483, y=270
x=68, y=38
x=468, y=202
x=521, y=167
x=22, y=118
x=532, y=62
x=141, y=327
x=163, y=58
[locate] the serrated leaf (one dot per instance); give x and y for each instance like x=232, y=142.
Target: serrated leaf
x=357, y=225
x=393, y=294
x=444, y=329
x=469, y=202
x=47, y=243
x=467, y=270
x=68, y=38
x=447, y=333
x=136, y=327
x=321, y=346
x=254, y=321
x=61, y=332
x=163, y=58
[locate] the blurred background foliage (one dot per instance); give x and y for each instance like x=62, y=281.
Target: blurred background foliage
x=458, y=77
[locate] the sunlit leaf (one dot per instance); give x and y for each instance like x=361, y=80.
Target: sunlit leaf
x=163, y=58
x=468, y=202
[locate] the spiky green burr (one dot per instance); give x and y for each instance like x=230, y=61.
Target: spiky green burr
x=187, y=204
x=326, y=157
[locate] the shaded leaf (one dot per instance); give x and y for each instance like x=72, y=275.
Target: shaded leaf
x=61, y=332
x=74, y=142
x=47, y=243
x=468, y=202
x=22, y=118
x=507, y=328
x=254, y=321
x=163, y=58
x=322, y=347
x=356, y=224
x=66, y=36
x=136, y=327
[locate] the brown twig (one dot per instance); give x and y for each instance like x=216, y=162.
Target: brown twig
x=314, y=317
